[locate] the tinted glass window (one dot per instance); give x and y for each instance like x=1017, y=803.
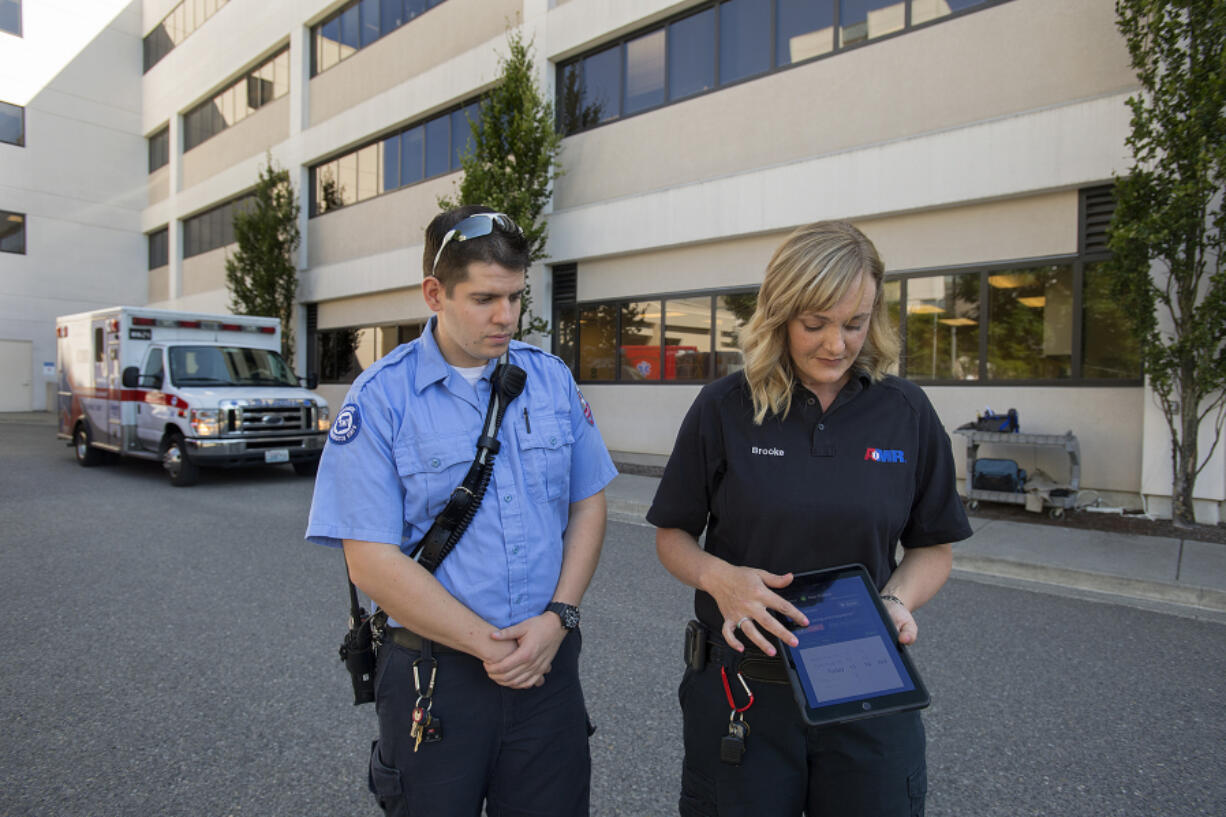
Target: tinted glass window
x=598, y=341
x=461, y=134
x=12, y=124
x=924, y=10
x=1108, y=347
x=943, y=327
x=640, y=354
x=644, y=72
x=861, y=20
x=691, y=55
x=744, y=39
x=390, y=155
x=391, y=15
x=12, y=232
x=158, y=248
x=804, y=29
x=368, y=172
x=328, y=45
x=1030, y=323
x=10, y=16
x=413, y=155
x=350, y=31
x=602, y=84
x=370, y=21
x=438, y=146
x=687, y=338
x=732, y=312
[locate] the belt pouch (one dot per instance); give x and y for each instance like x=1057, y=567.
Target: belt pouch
x=695, y=646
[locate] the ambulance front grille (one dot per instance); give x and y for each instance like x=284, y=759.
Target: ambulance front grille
x=268, y=419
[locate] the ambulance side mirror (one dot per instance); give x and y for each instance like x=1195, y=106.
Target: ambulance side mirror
x=131, y=377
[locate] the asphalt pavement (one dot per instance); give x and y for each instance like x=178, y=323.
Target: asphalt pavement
x=173, y=651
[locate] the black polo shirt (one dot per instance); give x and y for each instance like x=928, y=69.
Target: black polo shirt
x=814, y=489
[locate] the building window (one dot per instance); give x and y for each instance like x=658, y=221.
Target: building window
x=418, y=152
x=12, y=232
x=10, y=16
x=12, y=124
x=159, y=248
x=723, y=43
x=686, y=338
x=343, y=354
x=177, y=27
x=358, y=24
x=212, y=228
x=159, y=149
x=1053, y=322
x=240, y=99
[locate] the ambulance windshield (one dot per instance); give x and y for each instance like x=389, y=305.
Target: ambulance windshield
x=228, y=366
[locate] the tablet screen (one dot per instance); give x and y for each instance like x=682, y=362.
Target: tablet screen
x=848, y=664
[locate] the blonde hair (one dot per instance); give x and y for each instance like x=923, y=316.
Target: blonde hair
x=812, y=271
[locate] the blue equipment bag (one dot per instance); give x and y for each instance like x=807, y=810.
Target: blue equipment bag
x=988, y=421
x=998, y=475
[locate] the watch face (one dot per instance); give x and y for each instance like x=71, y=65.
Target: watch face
x=568, y=613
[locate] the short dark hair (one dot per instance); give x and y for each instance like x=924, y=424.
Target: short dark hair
x=507, y=249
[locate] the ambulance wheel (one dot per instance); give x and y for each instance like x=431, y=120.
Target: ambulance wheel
x=181, y=470
x=305, y=468
x=87, y=455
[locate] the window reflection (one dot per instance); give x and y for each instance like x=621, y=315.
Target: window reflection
x=924, y=10
x=12, y=124
x=645, y=72
x=805, y=29
x=598, y=341
x=861, y=20
x=1108, y=347
x=1030, y=329
x=732, y=312
x=343, y=354
x=12, y=232
x=943, y=327
x=744, y=39
x=691, y=55
x=687, y=338
x=640, y=341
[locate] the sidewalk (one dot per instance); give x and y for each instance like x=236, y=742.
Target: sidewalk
x=1158, y=570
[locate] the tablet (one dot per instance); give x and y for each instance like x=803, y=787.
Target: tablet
x=849, y=664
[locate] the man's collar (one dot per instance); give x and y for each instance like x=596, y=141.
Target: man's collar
x=432, y=367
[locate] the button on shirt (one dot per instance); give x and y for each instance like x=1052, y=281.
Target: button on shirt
x=814, y=489
x=406, y=437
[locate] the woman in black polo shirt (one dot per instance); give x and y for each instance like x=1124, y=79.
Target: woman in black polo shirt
x=811, y=457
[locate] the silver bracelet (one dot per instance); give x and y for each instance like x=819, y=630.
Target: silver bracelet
x=893, y=598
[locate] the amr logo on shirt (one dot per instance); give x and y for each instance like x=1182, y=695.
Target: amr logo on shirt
x=884, y=455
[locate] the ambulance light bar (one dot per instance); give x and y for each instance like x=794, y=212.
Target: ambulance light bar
x=210, y=325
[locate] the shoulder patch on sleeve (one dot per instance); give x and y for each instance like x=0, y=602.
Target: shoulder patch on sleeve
x=587, y=408
x=347, y=424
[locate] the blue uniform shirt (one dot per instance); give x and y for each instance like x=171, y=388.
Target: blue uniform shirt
x=404, y=440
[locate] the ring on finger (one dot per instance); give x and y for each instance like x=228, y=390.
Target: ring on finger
x=741, y=621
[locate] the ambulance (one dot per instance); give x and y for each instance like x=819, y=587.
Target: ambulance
x=186, y=389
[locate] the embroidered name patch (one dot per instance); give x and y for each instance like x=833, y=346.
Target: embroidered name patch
x=884, y=455
x=766, y=452
x=346, y=425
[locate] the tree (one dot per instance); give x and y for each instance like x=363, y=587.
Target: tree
x=1167, y=231
x=513, y=158
x=262, y=275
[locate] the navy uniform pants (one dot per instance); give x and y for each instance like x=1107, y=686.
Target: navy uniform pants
x=868, y=768
x=517, y=752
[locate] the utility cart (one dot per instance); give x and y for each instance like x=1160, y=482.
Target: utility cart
x=1067, y=496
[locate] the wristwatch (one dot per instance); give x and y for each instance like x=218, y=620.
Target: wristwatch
x=569, y=613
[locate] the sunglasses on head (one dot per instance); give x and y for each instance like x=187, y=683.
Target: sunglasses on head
x=476, y=226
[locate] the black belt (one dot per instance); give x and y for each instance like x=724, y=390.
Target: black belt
x=412, y=641
x=754, y=664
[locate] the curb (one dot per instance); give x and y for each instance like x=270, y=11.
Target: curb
x=1203, y=598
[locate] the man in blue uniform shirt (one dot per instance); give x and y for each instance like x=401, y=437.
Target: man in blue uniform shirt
x=501, y=612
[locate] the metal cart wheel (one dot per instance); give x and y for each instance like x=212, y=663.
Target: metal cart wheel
x=1056, y=513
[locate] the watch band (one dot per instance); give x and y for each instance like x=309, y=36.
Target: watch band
x=567, y=612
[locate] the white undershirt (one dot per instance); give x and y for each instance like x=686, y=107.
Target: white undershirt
x=471, y=373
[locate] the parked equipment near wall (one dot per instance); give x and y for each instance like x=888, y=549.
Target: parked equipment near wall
x=984, y=481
